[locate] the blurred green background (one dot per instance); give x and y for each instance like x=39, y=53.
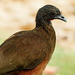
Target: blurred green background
x=17, y=15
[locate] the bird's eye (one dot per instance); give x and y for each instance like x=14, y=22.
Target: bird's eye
x=53, y=13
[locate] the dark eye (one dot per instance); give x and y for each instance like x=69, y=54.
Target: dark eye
x=53, y=13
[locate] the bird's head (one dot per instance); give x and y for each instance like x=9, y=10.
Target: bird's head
x=48, y=13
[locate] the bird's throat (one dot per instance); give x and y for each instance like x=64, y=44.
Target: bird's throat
x=43, y=23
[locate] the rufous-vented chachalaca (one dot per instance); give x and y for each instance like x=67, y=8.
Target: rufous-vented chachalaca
x=28, y=52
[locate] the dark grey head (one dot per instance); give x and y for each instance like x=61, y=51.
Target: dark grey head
x=48, y=13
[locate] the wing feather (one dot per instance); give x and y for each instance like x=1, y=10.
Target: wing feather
x=23, y=49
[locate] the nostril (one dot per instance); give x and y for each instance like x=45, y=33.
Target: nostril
x=62, y=16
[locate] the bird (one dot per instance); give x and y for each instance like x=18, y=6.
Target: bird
x=28, y=52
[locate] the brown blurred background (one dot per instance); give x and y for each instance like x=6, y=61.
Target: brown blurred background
x=16, y=15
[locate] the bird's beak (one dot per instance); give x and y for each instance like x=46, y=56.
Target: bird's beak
x=61, y=17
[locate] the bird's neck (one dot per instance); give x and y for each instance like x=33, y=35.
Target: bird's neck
x=42, y=23
x=46, y=25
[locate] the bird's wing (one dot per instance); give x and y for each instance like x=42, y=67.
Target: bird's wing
x=22, y=51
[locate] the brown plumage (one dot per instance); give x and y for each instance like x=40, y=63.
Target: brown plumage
x=28, y=52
